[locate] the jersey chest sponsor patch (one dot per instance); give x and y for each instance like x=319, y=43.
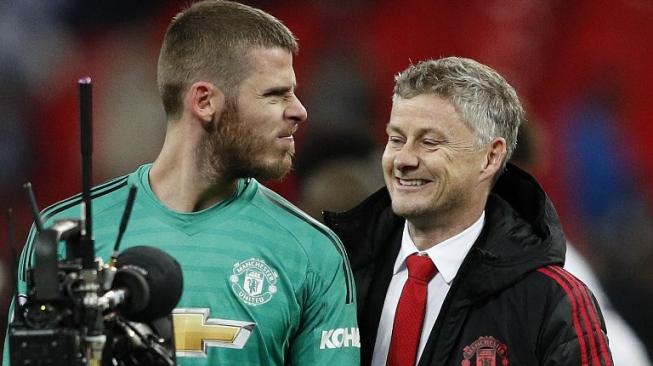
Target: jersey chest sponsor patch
x=253, y=281
x=486, y=351
x=195, y=332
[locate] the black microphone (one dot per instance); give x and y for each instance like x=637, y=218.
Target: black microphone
x=147, y=285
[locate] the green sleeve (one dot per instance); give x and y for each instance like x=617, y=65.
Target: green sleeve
x=328, y=333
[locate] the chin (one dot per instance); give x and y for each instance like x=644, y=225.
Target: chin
x=273, y=169
x=407, y=210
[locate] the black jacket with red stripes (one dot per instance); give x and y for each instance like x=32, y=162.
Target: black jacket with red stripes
x=511, y=303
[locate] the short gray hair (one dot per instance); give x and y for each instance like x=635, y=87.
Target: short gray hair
x=487, y=103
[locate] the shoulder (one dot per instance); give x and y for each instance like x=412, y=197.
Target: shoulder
x=306, y=230
x=553, y=285
x=557, y=300
x=575, y=301
x=103, y=195
x=558, y=280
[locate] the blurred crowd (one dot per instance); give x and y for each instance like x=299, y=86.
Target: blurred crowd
x=584, y=69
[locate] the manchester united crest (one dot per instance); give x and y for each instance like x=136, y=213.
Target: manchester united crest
x=253, y=281
x=486, y=351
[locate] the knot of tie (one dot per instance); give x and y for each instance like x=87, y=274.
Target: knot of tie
x=420, y=267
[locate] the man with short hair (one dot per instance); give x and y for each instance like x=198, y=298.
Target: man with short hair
x=458, y=259
x=264, y=284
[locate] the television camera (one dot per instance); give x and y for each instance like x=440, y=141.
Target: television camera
x=81, y=311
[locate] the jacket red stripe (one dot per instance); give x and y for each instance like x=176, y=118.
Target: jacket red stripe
x=589, y=307
x=577, y=291
x=578, y=295
x=574, y=312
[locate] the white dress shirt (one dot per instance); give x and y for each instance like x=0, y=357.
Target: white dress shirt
x=447, y=257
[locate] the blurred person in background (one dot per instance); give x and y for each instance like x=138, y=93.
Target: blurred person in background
x=458, y=260
x=337, y=168
x=274, y=285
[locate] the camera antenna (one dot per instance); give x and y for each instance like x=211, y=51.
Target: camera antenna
x=123, y=223
x=38, y=222
x=86, y=249
x=14, y=257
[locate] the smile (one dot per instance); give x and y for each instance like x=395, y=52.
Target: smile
x=411, y=182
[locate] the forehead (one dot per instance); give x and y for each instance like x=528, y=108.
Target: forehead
x=269, y=65
x=425, y=112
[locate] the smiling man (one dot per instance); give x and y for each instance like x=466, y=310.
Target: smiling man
x=458, y=259
x=264, y=284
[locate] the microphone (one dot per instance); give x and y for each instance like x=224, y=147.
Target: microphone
x=147, y=285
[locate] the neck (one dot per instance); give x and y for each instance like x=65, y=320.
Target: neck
x=427, y=233
x=178, y=177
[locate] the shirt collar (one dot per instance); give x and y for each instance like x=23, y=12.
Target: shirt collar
x=448, y=255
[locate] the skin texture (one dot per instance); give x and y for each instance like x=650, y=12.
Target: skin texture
x=437, y=178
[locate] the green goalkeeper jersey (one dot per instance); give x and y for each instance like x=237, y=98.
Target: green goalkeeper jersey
x=264, y=284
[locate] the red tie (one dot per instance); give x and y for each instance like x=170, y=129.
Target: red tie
x=409, y=317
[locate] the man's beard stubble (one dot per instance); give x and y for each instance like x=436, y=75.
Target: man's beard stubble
x=234, y=150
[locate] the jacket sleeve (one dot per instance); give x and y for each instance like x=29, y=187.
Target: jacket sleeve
x=574, y=333
x=328, y=332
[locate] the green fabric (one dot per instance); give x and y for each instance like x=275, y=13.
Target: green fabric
x=252, y=263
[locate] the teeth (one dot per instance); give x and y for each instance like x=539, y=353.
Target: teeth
x=412, y=182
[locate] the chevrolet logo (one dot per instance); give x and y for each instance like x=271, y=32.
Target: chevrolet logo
x=195, y=332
